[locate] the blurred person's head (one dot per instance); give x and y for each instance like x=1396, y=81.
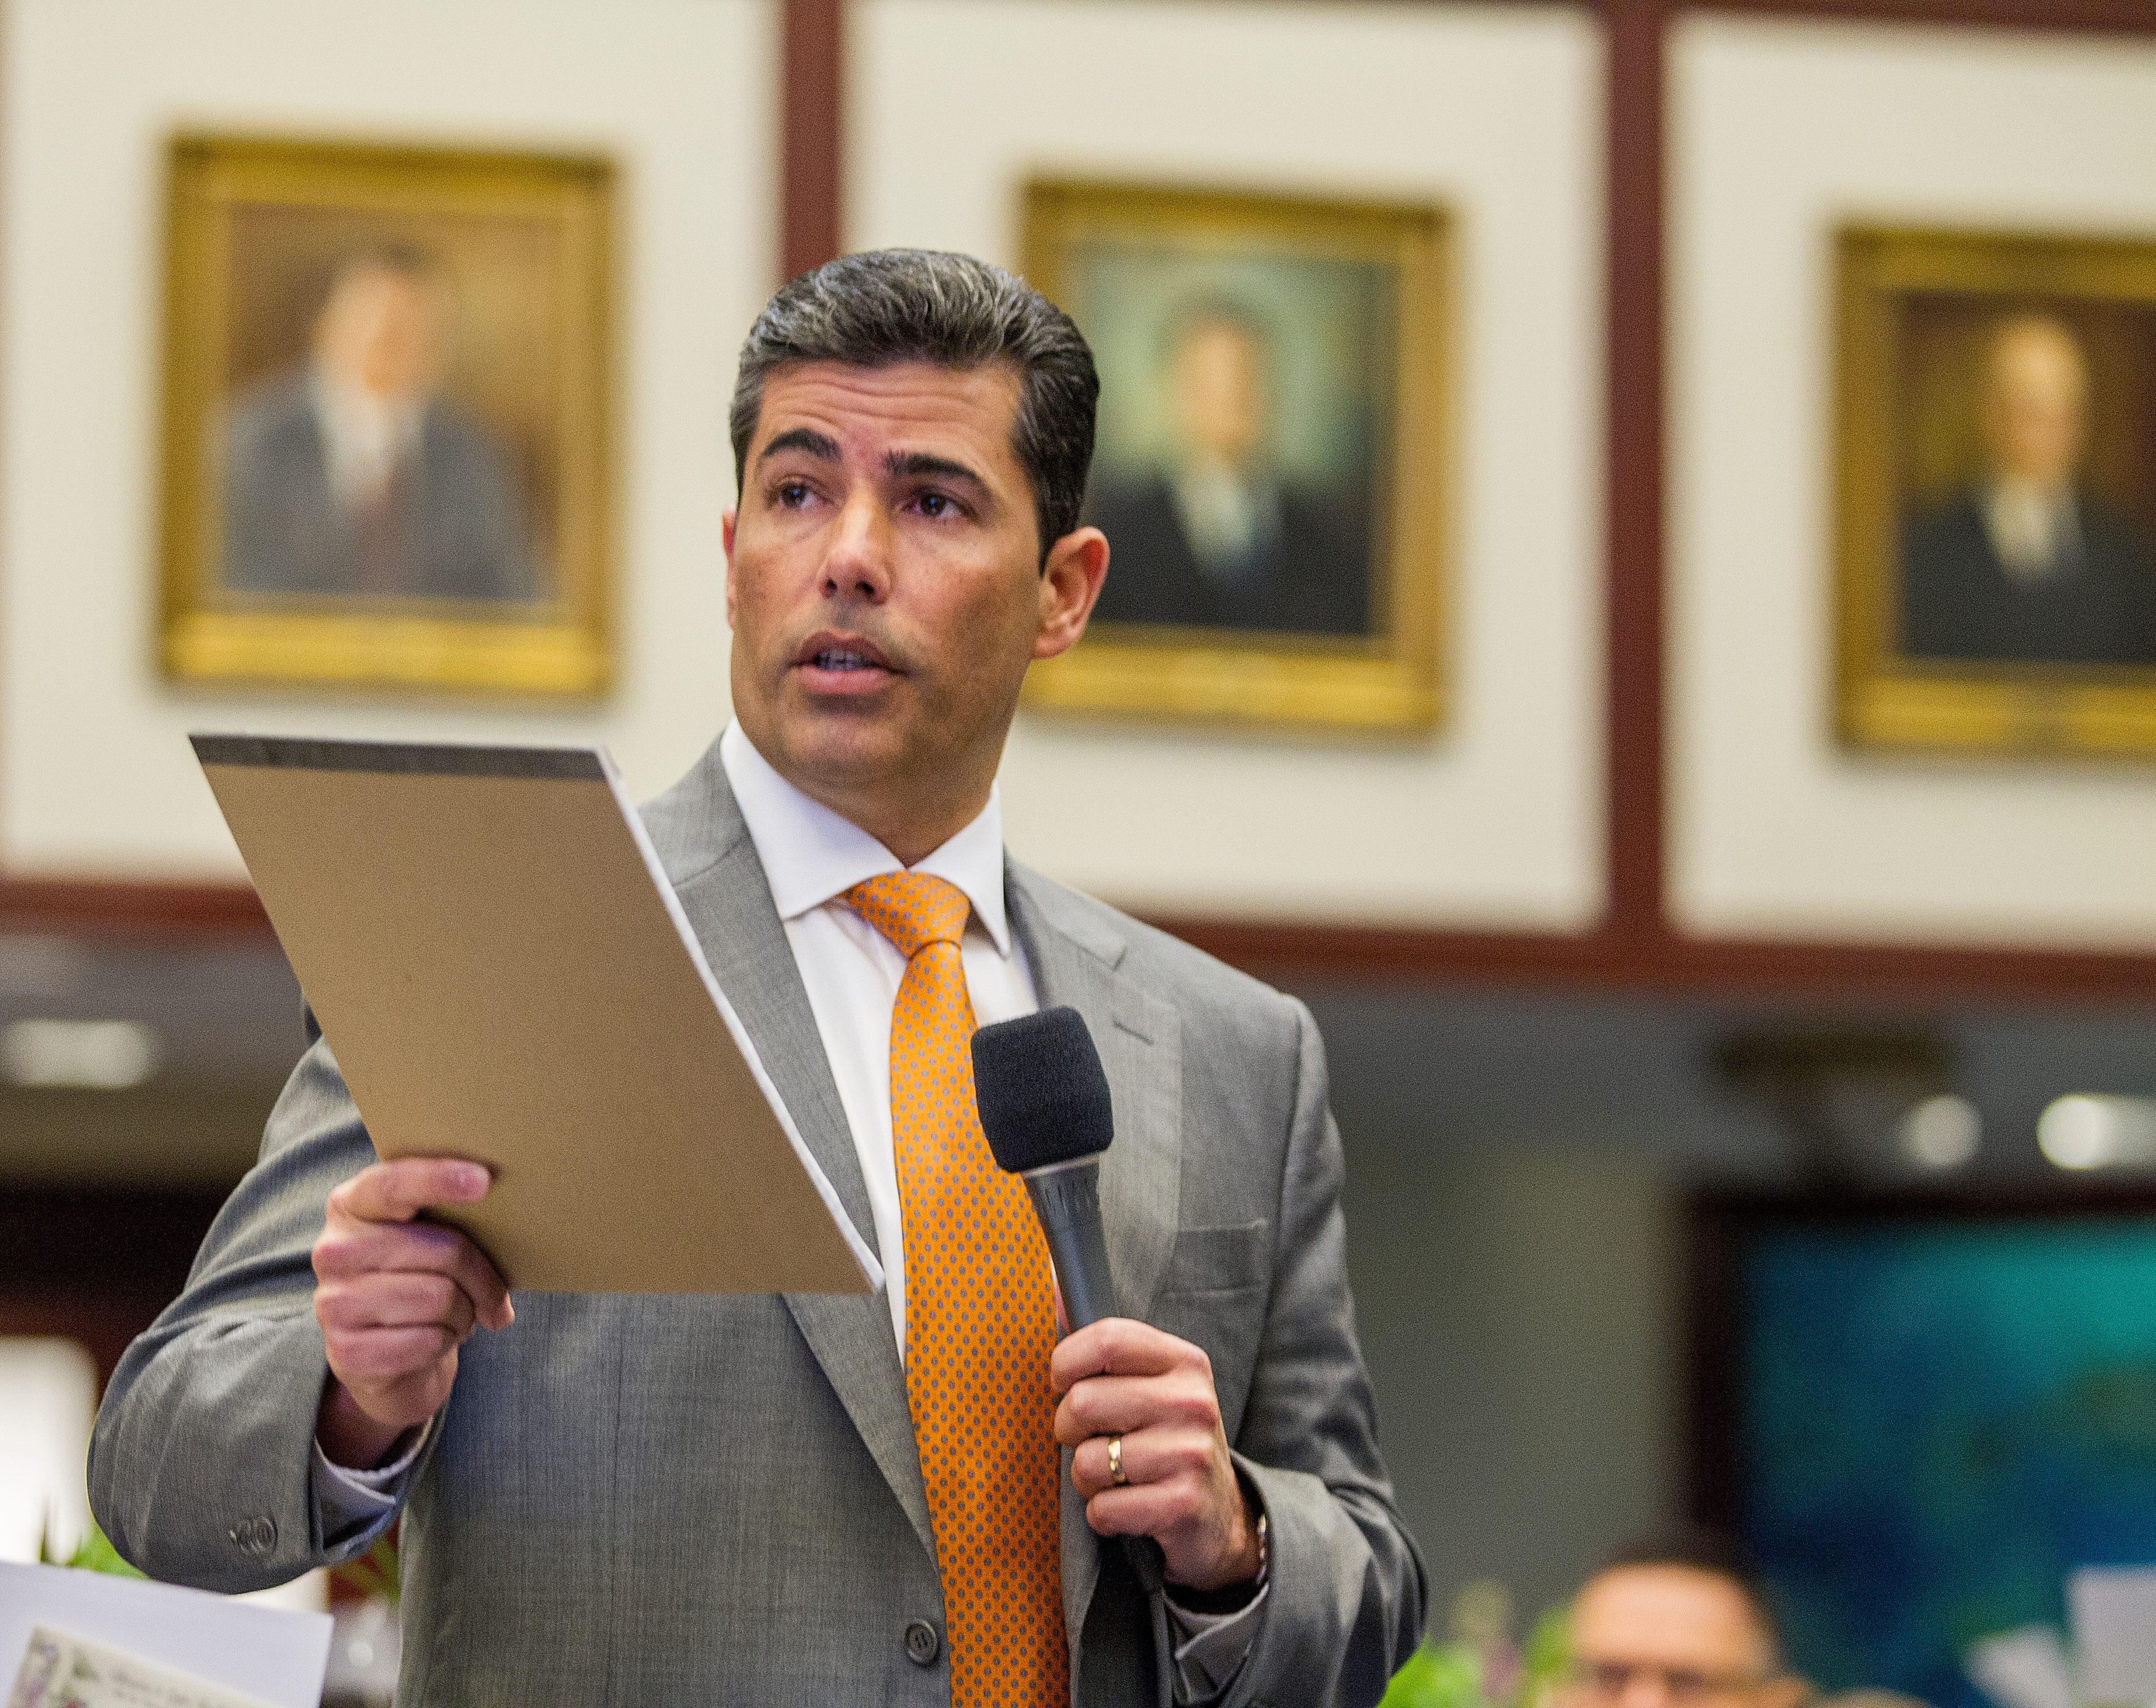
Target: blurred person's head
x=2035, y=402
x=382, y=330
x=1221, y=384
x=1677, y=1622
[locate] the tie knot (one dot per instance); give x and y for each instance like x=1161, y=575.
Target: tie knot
x=912, y=909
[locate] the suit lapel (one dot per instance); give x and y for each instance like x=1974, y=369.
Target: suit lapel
x=729, y=905
x=1074, y=956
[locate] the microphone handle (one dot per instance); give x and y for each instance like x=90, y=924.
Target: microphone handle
x=1067, y=1201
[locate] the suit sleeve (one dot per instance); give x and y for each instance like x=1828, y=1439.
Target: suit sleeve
x=201, y=1464
x=1347, y=1582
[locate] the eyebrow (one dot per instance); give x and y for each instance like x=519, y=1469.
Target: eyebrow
x=821, y=446
x=915, y=465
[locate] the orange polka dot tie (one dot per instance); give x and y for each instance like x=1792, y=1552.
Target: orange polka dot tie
x=980, y=1323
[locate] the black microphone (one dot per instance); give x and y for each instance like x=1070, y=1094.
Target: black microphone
x=1043, y=1104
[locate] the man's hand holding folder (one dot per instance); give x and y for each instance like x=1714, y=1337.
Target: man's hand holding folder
x=395, y=1297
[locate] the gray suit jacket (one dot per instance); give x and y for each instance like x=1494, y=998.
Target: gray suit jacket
x=718, y=1500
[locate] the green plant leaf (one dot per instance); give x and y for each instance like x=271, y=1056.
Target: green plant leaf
x=94, y=1552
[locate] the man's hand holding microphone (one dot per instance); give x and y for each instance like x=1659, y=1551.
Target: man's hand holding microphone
x=1136, y=1407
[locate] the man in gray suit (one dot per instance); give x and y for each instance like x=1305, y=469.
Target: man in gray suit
x=722, y=1499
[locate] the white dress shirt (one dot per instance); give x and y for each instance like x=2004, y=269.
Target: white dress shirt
x=811, y=857
x=363, y=436
x=2035, y=530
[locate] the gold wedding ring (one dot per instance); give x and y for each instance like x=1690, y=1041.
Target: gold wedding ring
x=1116, y=1472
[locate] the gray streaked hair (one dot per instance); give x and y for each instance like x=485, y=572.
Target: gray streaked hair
x=888, y=306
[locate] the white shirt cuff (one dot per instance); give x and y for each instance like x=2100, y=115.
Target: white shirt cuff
x=347, y=1501
x=1210, y=1648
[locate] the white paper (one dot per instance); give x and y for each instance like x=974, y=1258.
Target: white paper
x=264, y=1654
x=63, y=1671
x=2113, y=1610
x=2023, y=1668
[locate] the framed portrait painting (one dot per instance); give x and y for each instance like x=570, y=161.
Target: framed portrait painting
x=386, y=441
x=1996, y=492
x=1271, y=466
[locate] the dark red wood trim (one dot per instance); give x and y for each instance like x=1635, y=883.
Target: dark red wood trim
x=1660, y=963
x=2119, y=17
x=1665, y=964
x=812, y=165
x=1632, y=753
x=89, y=908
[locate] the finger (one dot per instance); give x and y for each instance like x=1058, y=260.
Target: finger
x=482, y=1284
x=1144, y=1509
x=397, y=1190
x=1092, y=1468
x=1115, y=1345
x=376, y=1355
x=353, y=1248
x=1117, y=1405
x=398, y=1299
x=1149, y=1456
x=364, y=1249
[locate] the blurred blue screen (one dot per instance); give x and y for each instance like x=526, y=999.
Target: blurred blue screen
x=1939, y=1421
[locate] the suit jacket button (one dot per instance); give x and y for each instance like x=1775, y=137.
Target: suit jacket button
x=923, y=1643
x=256, y=1536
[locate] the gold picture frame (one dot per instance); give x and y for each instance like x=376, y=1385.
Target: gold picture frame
x=1995, y=492
x=1273, y=468
x=388, y=440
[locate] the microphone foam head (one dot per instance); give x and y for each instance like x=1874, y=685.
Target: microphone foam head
x=1043, y=1097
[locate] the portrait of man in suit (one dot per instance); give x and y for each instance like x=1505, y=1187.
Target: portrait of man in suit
x=388, y=443
x=927, y=1496
x=1220, y=537
x=1273, y=472
x=350, y=474
x=2024, y=563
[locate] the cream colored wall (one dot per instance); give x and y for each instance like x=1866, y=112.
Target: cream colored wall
x=1780, y=131
x=1496, y=111
x=1495, y=822
x=96, y=777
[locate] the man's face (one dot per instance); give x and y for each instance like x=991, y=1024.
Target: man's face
x=1220, y=390
x=380, y=333
x=1670, y=1636
x=2036, y=408
x=885, y=583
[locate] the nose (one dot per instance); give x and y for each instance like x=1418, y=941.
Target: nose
x=857, y=564
x=1647, y=1688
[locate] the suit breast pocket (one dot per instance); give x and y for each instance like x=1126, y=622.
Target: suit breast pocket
x=1213, y=1294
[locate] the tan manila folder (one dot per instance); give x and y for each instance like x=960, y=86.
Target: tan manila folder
x=505, y=975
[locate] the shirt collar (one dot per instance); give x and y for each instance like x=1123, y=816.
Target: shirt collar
x=811, y=855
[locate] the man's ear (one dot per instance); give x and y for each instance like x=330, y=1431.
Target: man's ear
x=729, y=518
x=1784, y=1690
x=1070, y=583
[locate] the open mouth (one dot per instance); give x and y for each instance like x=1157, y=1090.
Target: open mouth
x=835, y=663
